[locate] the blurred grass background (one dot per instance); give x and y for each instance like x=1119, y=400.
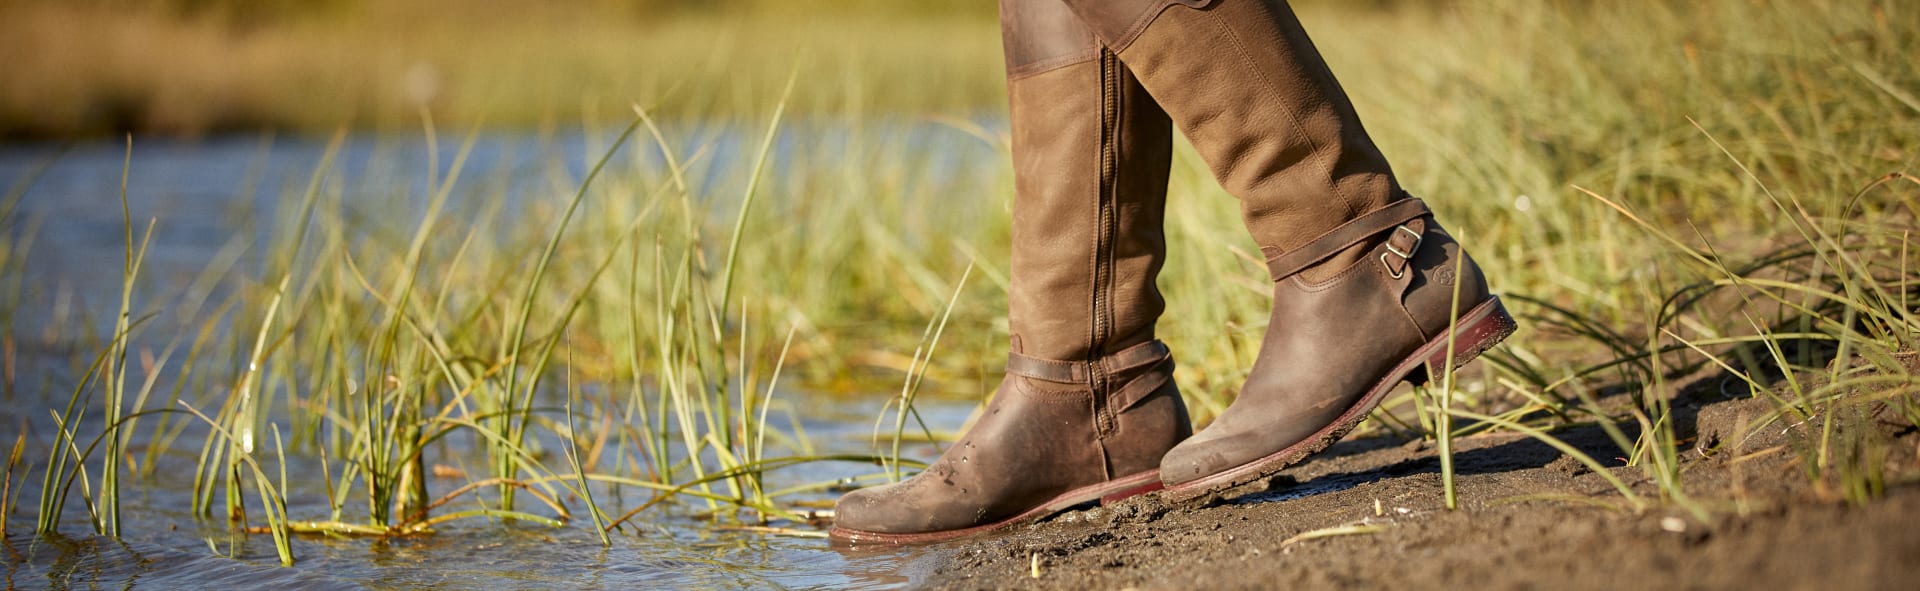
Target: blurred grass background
x=188, y=67
x=1493, y=110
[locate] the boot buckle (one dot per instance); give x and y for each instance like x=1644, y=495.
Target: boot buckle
x=1405, y=255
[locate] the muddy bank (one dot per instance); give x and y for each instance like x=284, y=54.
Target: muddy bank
x=1529, y=518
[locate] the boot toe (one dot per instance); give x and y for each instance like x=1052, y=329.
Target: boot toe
x=875, y=509
x=1195, y=458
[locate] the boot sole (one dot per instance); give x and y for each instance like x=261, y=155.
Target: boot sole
x=1105, y=493
x=1477, y=331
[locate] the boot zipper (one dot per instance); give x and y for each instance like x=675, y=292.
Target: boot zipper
x=1098, y=378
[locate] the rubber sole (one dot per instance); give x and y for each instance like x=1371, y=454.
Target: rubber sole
x=1105, y=493
x=1477, y=331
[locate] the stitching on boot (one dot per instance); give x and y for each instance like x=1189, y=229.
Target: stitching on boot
x=1032, y=388
x=1316, y=153
x=1300, y=280
x=1400, y=301
x=1250, y=64
x=1146, y=19
x=1408, y=314
x=1029, y=70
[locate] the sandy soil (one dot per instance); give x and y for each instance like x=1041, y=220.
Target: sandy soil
x=1530, y=517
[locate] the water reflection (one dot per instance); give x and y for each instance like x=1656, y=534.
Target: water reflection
x=166, y=547
x=882, y=567
x=217, y=198
x=61, y=562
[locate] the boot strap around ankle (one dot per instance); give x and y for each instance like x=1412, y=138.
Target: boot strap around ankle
x=1078, y=372
x=1124, y=396
x=1401, y=217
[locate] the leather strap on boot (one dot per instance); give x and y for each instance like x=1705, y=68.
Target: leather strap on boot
x=1405, y=218
x=1124, y=362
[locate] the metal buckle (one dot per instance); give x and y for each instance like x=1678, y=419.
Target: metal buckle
x=1405, y=256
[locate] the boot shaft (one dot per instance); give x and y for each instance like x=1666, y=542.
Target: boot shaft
x=1091, y=152
x=1251, y=93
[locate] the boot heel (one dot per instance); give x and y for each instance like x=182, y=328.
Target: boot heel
x=1479, y=330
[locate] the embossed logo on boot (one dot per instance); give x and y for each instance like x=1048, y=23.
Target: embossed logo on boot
x=1444, y=276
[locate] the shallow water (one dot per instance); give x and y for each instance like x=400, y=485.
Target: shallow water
x=208, y=195
x=166, y=547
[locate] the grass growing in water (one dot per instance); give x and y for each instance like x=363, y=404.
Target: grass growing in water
x=1639, y=247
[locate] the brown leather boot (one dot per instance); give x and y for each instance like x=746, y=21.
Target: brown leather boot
x=1088, y=405
x=1364, y=279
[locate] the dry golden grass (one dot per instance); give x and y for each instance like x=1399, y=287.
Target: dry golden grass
x=92, y=69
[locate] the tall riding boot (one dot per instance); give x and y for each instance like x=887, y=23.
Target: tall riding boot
x=1088, y=405
x=1366, y=283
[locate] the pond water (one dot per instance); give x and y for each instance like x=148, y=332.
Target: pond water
x=206, y=192
x=166, y=547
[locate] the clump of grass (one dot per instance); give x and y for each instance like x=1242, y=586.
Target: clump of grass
x=381, y=378
x=67, y=460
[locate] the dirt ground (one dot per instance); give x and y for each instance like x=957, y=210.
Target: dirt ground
x=1530, y=517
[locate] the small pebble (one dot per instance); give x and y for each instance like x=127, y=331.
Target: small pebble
x=1673, y=524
